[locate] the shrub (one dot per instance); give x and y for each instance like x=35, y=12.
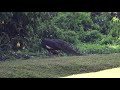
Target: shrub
x=92, y=36
x=69, y=36
x=107, y=40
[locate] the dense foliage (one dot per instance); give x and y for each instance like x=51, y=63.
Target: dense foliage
x=78, y=28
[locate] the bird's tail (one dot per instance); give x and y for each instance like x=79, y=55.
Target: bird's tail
x=68, y=48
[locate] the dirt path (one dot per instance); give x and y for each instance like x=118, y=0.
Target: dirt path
x=109, y=73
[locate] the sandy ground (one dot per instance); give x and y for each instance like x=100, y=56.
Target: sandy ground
x=109, y=73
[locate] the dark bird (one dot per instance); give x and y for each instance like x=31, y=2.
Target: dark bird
x=55, y=45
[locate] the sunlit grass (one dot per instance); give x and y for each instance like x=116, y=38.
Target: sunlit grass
x=114, y=46
x=98, y=49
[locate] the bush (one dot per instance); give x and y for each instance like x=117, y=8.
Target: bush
x=107, y=40
x=69, y=36
x=117, y=42
x=92, y=36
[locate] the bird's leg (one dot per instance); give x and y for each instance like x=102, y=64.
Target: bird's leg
x=49, y=53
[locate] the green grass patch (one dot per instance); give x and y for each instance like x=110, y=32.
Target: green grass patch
x=98, y=49
x=55, y=67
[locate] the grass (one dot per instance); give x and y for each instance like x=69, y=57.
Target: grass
x=55, y=67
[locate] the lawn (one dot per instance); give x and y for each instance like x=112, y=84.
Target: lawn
x=55, y=67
